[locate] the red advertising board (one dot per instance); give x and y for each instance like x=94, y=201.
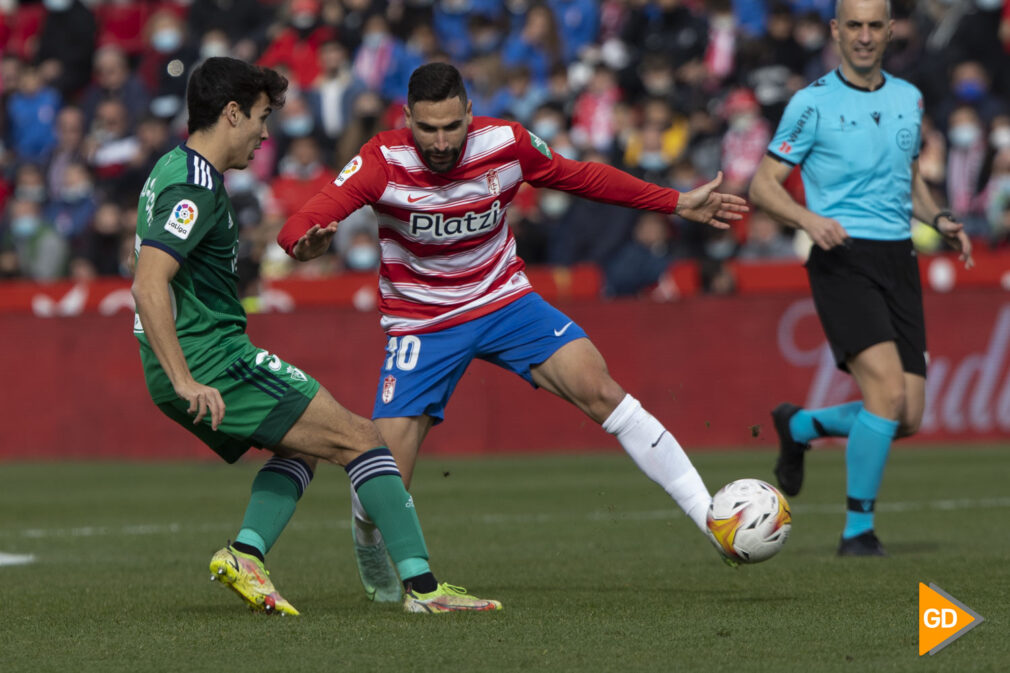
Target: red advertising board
x=710, y=368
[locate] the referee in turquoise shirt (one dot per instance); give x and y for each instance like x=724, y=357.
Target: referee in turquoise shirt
x=855, y=133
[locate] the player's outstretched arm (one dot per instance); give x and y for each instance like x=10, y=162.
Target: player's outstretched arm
x=710, y=207
x=314, y=242
x=155, y=269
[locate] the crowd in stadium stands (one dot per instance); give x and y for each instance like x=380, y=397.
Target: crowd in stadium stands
x=93, y=92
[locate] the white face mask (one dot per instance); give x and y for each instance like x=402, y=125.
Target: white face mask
x=58, y=5
x=1000, y=137
x=964, y=135
x=166, y=40
x=362, y=257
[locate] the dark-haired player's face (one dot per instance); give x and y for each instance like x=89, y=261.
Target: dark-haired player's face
x=862, y=31
x=439, y=130
x=252, y=130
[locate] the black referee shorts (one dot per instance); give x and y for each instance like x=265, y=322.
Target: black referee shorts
x=868, y=292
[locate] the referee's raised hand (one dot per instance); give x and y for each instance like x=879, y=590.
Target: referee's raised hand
x=704, y=204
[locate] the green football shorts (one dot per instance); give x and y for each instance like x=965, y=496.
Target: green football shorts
x=263, y=397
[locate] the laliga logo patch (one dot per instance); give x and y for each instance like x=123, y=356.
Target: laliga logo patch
x=180, y=222
x=352, y=167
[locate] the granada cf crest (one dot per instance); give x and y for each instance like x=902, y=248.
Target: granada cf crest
x=388, y=388
x=493, y=185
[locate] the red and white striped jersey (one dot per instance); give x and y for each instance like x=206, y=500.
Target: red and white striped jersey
x=448, y=255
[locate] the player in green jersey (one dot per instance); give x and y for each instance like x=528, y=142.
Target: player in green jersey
x=204, y=373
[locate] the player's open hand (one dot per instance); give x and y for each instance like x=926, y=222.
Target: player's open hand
x=202, y=400
x=953, y=232
x=825, y=232
x=314, y=242
x=710, y=207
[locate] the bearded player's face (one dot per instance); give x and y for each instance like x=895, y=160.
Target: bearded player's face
x=439, y=129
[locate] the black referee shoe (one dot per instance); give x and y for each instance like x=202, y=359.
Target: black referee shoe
x=865, y=544
x=789, y=467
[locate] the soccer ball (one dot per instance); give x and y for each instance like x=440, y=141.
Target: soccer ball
x=749, y=520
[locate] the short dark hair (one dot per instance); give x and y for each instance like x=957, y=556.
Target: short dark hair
x=220, y=80
x=435, y=82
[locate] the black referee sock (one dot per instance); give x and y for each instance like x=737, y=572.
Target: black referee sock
x=248, y=549
x=422, y=584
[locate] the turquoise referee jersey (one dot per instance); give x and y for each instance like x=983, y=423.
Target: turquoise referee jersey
x=855, y=148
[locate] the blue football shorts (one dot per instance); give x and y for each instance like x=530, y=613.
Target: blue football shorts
x=420, y=371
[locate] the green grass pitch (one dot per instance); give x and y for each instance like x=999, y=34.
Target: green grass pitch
x=597, y=570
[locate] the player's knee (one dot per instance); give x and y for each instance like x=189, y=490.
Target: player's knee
x=605, y=395
x=909, y=424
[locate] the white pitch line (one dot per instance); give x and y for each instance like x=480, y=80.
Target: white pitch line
x=16, y=559
x=495, y=519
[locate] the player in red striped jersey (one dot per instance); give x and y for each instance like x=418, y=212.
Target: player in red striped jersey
x=452, y=288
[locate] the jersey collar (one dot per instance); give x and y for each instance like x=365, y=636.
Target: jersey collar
x=883, y=81
x=193, y=153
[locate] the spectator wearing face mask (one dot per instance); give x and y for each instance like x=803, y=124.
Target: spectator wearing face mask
x=593, y=116
x=965, y=157
x=997, y=190
x=970, y=86
x=301, y=173
x=66, y=45
x=745, y=140
x=71, y=211
x=297, y=42
x=379, y=59
x=38, y=252
x=241, y=24
x=457, y=24
x=30, y=184
x=362, y=252
x=524, y=96
x=166, y=63
x=68, y=148
x=332, y=95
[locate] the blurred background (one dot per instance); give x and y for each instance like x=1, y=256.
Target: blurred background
x=92, y=92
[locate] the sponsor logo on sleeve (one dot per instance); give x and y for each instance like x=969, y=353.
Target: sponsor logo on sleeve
x=181, y=220
x=540, y=145
x=352, y=167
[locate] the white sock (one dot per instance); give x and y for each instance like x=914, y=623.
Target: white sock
x=365, y=532
x=660, y=456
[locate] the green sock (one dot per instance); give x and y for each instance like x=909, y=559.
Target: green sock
x=377, y=481
x=275, y=493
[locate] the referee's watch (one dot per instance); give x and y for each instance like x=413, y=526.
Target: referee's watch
x=943, y=213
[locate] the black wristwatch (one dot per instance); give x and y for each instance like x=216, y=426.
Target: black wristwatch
x=943, y=213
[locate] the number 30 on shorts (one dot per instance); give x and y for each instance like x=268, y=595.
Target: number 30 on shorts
x=403, y=352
